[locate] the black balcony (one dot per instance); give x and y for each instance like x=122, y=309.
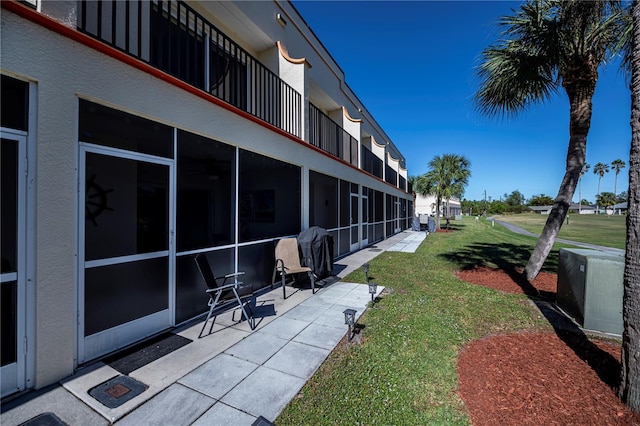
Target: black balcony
x=391, y=176
x=326, y=134
x=172, y=37
x=371, y=163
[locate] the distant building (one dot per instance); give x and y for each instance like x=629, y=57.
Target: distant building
x=427, y=205
x=619, y=208
x=575, y=208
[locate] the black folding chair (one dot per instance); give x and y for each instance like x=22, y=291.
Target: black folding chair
x=224, y=296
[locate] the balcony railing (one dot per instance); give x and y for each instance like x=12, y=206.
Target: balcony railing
x=371, y=163
x=326, y=134
x=391, y=176
x=171, y=36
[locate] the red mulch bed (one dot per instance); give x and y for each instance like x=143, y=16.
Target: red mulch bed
x=558, y=378
x=512, y=281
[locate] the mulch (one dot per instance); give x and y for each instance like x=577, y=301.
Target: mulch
x=561, y=378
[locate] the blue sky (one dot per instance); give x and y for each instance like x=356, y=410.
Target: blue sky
x=412, y=64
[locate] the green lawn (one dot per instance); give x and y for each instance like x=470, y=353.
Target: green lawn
x=604, y=230
x=401, y=367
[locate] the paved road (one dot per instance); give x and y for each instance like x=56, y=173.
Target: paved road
x=518, y=230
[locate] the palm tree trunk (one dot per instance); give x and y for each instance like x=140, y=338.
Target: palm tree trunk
x=580, y=195
x=629, y=390
x=580, y=96
x=438, y=202
x=598, y=197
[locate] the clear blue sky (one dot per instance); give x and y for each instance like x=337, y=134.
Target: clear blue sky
x=412, y=64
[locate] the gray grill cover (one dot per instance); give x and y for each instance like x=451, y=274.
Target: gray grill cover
x=316, y=243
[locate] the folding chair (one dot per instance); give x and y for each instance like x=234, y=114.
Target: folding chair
x=233, y=295
x=288, y=263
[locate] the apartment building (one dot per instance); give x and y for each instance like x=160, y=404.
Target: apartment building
x=138, y=134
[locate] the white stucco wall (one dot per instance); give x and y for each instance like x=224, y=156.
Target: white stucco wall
x=64, y=71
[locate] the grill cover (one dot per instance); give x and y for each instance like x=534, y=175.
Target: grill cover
x=316, y=243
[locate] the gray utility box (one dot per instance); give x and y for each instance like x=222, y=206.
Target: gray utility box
x=590, y=288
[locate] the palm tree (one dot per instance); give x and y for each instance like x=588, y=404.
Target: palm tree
x=617, y=165
x=629, y=389
x=583, y=171
x=447, y=177
x=600, y=169
x=546, y=45
x=606, y=200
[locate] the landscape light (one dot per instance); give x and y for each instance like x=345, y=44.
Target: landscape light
x=349, y=320
x=365, y=268
x=373, y=288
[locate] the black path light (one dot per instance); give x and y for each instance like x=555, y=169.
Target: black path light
x=373, y=288
x=350, y=320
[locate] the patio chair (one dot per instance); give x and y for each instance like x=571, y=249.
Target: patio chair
x=288, y=264
x=223, y=296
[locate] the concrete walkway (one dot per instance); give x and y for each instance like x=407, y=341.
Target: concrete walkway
x=519, y=230
x=229, y=377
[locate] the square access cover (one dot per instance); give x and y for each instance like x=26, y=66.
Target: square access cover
x=115, y=392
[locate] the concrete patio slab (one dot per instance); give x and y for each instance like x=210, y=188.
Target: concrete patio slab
x=218, y=376
x=58, y=401
x=175, y=405
x=224, y=415
x=298, y=359
x=265, y=392
x=257, y=348
x=306, y=312
x=285, y=328
x=321, y=336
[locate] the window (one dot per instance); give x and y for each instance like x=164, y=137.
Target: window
x=14, y=110
x=269, y=204
x=205, y=212
x=109, y=127
x=323, y=200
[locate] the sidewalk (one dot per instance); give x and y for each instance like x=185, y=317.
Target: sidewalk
x=230, y=377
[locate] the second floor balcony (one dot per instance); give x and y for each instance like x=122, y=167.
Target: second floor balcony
x=174, y=38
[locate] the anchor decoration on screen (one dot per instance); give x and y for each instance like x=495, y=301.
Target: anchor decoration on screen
x=95, y=200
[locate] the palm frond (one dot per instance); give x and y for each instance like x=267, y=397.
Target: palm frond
x=512, y=79
x=546, y=43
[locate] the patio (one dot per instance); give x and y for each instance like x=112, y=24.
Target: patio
x=231, y=376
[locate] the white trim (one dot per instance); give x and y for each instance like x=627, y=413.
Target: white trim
x=90, y=347
x=125, y=259
x=124, y=334
x=13, y=375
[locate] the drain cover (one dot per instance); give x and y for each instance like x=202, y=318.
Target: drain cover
x=44, y=419
x=115, y=392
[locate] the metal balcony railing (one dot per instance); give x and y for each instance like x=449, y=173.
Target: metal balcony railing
x=390, y=175
x=326, y=134
x=171, y=36
x=370, y=162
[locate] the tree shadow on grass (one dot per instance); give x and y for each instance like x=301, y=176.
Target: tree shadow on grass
x=511, y=259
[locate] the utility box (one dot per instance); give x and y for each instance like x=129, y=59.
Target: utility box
x=590, y=288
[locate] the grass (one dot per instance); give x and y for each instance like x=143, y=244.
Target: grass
x=604, y=230
x=401, y=367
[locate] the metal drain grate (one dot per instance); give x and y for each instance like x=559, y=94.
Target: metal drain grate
x=115, y=392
